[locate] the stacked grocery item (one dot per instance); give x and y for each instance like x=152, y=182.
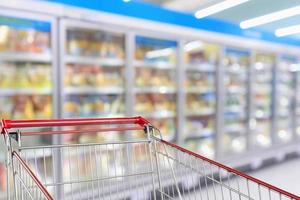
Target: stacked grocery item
x=26, y=107
x=93, y=105
x=94, y=43
x=151, y=77
x=92, y=75
x=26, y=89
x=200, y=104
x=200, y=81
x=156, y=51
x=35, y=76
x=149, y=104
x=23, y=40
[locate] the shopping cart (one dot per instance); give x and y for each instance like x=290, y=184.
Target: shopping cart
x=126, y=168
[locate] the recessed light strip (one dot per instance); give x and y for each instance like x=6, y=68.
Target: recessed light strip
x=218, y=8
x=290, y=30
x=271, y=17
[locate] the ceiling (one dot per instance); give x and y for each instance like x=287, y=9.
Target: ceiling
x=250, y=9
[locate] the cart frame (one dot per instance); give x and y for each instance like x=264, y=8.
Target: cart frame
x=184, y=169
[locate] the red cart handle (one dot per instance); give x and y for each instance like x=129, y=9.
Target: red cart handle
x=7, y=124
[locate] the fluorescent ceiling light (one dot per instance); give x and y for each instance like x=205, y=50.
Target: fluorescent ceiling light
x=287, y=31
x=195, y=45
x=126, y=1
x=271, y=17
x=218, y=8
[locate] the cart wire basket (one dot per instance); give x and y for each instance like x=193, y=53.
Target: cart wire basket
x=140, y=165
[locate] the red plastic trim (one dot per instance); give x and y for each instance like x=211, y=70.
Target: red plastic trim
x=65, y=132
x=234, y=171
x=73, y=122
x=32, y=175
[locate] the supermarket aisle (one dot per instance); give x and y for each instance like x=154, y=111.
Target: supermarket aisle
x=284, y=175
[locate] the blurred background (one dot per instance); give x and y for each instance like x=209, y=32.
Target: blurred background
x=210, y=74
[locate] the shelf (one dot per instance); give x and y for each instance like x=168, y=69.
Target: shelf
x=85, y=60
x=261, y=102
x=93, y=90
x=201, y=67
x=157, y=65
x=199, y=90
x=200, y=113
x=262, y=115
x=235, y=109
x=235, y=90
x=161, y=90
x=234, y=128
x=263, y=79
x=201, y=134
x=159, y=114
x=25, y=91
x=236, y=115
x=236, y=71
x=262, y=66
x=25, y=57
x=262, y=89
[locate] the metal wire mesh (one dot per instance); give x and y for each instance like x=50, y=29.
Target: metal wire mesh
x=25, y=186
x=147, y=168
x=135, y=170
x=200, y=179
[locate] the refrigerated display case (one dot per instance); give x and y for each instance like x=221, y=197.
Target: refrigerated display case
x=201, y=62
x=285, y=97
x=155, y=82
x=27, y=64
x=25, y=68
x=93, y=74
x=236, y=65
x=263, y=88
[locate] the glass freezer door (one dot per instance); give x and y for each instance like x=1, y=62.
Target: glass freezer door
x=25, y=69
x=260, y=123
x=94, y=65
x=286, y=94
x=155, y=82
x=201, y=62
x=26, y=82
x=236, y=80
